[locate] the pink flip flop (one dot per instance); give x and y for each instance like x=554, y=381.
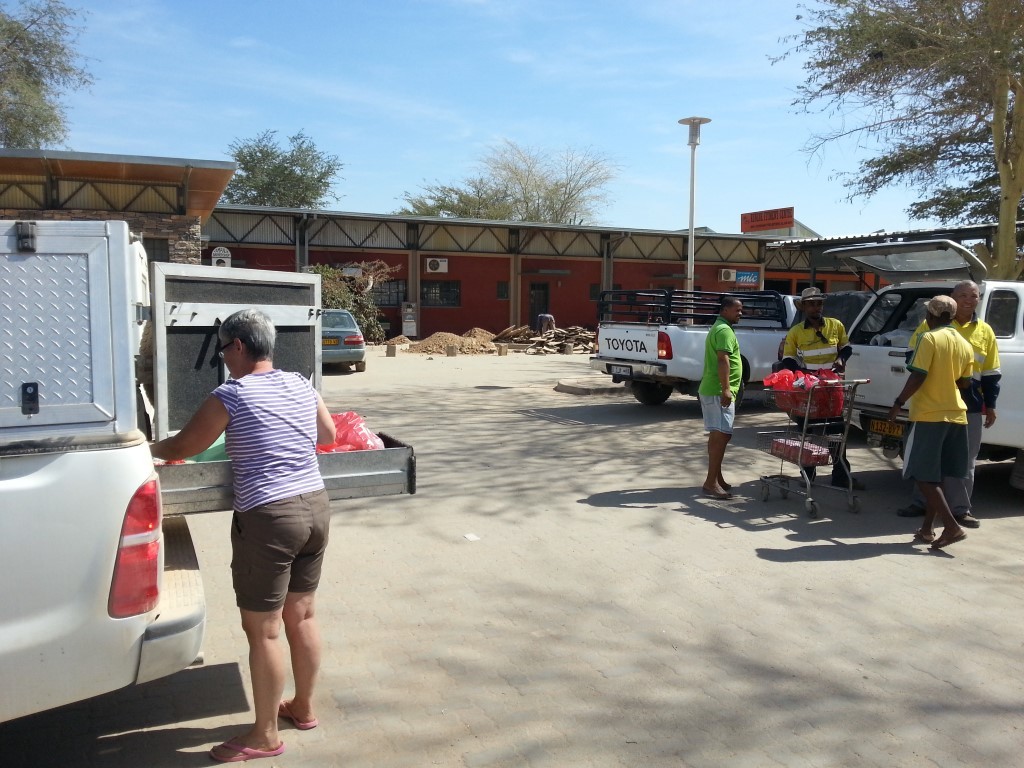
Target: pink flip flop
x=285, y=712
x=243, y=753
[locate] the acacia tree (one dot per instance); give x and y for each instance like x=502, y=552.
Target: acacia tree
x=339, y=290
x=38, y=64
x=474, y=198
x=298, y=177
x=936, y=84
x=517, y=183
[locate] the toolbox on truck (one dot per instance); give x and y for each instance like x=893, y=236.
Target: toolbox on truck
x=73, y=293
x=189, y=303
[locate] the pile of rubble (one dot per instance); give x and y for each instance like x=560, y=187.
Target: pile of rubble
x=438, y=343
x=479, y=334
x=549, y=342
x=478, y=341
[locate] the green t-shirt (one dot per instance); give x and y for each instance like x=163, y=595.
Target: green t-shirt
x=720, y=338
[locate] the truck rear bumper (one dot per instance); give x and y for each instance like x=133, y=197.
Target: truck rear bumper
x=623, y=370
x=174, y=640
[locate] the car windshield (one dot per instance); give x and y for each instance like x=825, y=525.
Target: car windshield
x=339, y=321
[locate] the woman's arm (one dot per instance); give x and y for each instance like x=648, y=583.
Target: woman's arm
x=205, y=426
x=325, y=432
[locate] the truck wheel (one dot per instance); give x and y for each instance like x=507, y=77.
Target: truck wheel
x=649, y=392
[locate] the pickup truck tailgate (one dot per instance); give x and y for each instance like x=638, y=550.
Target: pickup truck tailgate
x=628, y=343
x=206, y=486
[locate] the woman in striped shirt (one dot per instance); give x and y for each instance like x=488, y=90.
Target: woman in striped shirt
x=272, y=421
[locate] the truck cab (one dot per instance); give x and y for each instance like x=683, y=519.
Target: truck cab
x=917, y=271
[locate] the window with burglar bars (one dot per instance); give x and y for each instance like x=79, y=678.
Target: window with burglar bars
x=390, y=293
x=441, y=293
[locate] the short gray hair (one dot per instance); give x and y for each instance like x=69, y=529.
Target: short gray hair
x=254, y=329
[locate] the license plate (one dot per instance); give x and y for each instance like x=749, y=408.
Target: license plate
x=330, y=342
x=620, y=370
x=887, y=428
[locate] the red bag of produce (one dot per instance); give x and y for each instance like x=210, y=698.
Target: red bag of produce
x=824, y=388
x=781, y=382
x=827, y=397
x=352, y=435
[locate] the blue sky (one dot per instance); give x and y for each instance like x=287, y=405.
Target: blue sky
x=414, y=91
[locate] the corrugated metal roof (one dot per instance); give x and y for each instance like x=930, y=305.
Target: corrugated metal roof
x=442, y=220
x=968, y=232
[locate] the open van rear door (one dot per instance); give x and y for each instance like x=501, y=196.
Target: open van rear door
x=912, y=261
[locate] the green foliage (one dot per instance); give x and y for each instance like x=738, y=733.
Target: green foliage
x=476, y=198
x=522, y=184
x=38, y=64
x=340, y=291
x=298, y=177
x=934, y=85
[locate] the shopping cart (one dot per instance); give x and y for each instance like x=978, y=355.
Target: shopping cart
x=817, y=425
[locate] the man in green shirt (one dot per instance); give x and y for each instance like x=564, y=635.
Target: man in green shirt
x=723, y=373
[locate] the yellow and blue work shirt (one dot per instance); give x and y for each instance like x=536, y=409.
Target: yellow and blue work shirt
x=815, y=347
x=985, y=375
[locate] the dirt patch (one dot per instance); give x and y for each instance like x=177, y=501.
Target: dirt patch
x=398, y=340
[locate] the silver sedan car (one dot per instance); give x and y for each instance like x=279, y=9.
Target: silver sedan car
x=342, y=342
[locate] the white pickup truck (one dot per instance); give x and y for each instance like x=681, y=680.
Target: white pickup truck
x=101, y=582
x=880, y=335
x=653, y=340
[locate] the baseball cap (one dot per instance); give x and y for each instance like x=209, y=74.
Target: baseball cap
x=941, y=305
x=812, y=294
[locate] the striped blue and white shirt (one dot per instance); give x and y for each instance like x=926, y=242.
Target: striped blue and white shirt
x=271, y=436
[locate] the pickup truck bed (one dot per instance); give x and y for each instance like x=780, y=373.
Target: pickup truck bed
x=206, y=486
x=653, y=341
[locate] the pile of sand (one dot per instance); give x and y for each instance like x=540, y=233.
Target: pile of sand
x=480, y=334
x=398, y=340
x=438, y=343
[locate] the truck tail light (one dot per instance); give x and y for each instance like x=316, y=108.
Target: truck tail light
x=354, y=340
x=135, y=587
x=664, y=346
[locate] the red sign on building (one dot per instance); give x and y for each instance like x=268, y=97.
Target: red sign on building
x=759, y=221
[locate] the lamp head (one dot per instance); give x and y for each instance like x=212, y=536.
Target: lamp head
x=694, y=123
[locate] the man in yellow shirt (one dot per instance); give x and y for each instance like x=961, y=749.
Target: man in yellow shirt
x=937, y=443
x=980, y=398
x=820, y=342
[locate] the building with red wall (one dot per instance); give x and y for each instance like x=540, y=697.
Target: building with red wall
x=457, y=274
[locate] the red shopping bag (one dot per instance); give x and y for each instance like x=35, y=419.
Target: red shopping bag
x=822, y=388
x=352, y=434
x=827, y=397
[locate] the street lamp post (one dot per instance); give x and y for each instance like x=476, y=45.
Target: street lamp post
x=694, y=124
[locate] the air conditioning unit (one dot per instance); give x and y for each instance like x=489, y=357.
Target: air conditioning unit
x=437, y=265
x=727, y=275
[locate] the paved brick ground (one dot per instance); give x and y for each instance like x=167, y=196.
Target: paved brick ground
x=607, y=615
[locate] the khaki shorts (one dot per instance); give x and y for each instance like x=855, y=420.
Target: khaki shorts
x=278, y=548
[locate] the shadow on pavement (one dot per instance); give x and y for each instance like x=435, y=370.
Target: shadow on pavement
x=125, y=727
